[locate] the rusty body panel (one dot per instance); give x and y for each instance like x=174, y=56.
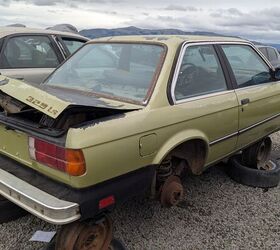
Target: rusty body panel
x=83, y=98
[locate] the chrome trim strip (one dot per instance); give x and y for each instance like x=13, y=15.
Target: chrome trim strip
x=60, y=47
x=244, y=130
x=258, y=123
x=36, y=201
x=204, y=96
x=254, y=86
x=187, y=44
x=223, y=138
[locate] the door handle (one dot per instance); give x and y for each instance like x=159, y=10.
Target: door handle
x=245, y=101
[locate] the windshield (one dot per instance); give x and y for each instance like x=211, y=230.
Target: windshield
x=113, y=70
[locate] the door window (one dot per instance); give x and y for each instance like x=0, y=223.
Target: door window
x=272, y=54
x=263, y=50
x=72, y=44
x=29, y=52
x=200, y=73
x=247, y=66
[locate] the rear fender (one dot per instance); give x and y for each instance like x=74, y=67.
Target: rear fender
x=181, y=138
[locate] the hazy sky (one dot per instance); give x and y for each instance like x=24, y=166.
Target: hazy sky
x=257, y=19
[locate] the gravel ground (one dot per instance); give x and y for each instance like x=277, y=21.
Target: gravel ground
x=216, y=213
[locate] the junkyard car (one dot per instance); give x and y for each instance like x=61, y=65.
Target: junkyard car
x=129, y=115
x=32, y=54
x=271, y=54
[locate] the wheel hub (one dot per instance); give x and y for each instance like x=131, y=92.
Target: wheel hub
x=263, y=153
x=81, y=236
x=257, y=155
x=171, y=192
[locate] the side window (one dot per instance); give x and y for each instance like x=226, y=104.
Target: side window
x=200, y=73
x=29, y=52
x=263, y=50
x=72, y=44
x=272, y=54
x=248, y=67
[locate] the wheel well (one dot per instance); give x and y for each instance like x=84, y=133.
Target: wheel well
x=194, y=152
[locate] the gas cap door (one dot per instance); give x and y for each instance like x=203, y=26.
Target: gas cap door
x=148, y=144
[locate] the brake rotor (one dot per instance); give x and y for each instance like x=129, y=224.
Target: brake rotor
x=95, y=237
x=81, y=236
x=171, y=191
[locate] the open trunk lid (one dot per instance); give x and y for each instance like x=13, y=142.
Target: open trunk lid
x=53, y=101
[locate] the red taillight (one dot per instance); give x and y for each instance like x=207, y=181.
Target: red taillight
x=70, y=161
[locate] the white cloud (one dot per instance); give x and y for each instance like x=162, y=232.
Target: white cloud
x=251, y=19
x=180, y=8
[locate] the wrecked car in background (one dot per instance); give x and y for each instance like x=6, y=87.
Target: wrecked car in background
x=129, y=115
x=32, y=54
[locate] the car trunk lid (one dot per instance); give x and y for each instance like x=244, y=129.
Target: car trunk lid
x=52, y=101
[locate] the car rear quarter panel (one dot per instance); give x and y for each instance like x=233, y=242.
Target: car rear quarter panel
x=112, y=148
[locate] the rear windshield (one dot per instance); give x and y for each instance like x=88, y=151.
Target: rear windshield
x=114, y=70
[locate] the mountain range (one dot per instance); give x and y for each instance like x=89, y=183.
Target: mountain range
x=131, y=30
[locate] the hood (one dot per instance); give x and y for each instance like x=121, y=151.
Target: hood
x=52, y=101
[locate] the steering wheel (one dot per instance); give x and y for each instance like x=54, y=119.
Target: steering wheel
x=185, y=65
x=188, y=73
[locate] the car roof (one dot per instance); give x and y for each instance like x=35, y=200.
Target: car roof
x=170, y=39
x=6, y=31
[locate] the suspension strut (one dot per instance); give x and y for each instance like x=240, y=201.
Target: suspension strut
x=169, y=187
x=164, y=171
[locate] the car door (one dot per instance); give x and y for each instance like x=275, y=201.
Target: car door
x=29, y=57
x=205, y=100
x=258, y=94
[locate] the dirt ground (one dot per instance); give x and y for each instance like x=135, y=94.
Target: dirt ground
x=216, y=213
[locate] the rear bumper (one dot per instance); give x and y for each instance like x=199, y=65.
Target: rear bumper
x=36, y=201
x=57, y=203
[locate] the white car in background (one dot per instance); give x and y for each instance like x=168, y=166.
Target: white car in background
x=32, y=54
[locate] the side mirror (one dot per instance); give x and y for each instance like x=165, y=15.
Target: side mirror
x=276, y=74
